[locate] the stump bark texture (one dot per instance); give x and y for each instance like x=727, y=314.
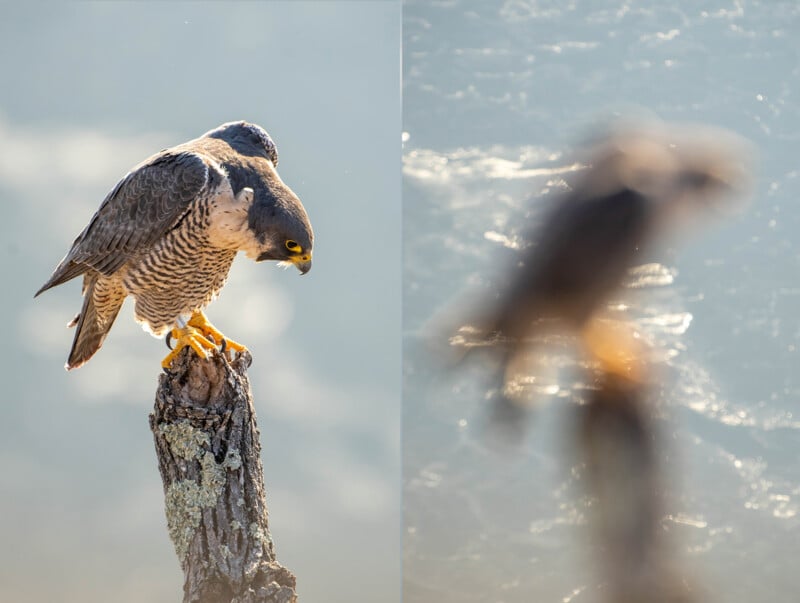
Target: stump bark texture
x=209, y=456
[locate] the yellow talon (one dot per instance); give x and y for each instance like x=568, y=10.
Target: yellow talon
x=616, y=348
x=188, y=337
x=201, y=323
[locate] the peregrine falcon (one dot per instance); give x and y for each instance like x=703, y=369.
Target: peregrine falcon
x=639, y=180
x=168, y=232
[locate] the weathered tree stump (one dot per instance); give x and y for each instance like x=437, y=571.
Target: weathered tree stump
x=209, y=457
x=619, y=443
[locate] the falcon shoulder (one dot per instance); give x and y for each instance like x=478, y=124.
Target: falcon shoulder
x=146, y=204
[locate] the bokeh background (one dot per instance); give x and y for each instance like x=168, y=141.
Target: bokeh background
x=89, y=90
x=496, y=97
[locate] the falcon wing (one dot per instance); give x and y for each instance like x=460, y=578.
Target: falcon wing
x=151, y=200
x=582, y=253
x=589, y=241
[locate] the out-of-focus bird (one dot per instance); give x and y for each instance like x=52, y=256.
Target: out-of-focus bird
x=168, y=232
x=638, y=181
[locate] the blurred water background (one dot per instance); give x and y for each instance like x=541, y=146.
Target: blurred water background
x=495, y=97
x=91, y=89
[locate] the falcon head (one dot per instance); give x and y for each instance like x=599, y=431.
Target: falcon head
x=246, y=139
x=282, y=236
x=276, y=218
x=684, y=165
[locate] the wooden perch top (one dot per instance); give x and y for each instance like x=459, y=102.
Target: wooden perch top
x=209, y=456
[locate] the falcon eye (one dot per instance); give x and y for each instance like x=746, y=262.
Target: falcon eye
x=293, y=246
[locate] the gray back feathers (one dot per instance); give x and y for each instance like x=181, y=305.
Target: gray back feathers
x=157, y=194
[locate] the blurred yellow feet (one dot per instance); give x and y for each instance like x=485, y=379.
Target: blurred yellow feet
x=200, y=322
x=616, y=347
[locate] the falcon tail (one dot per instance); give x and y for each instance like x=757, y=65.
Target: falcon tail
x=91, y=325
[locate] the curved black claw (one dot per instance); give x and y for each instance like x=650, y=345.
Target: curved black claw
x=168, y=339
x=223, y=346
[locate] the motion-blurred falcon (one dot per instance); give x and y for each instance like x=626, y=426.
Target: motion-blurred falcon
x=168, y=232
x=641, y=179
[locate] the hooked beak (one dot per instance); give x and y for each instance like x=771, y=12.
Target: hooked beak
x=302, y=262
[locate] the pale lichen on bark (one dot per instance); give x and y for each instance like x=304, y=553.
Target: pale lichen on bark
x=184, y=440
x=208, y=451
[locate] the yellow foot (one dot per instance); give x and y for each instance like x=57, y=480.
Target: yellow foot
x=188, y=337
x=200, y=322
x=616, y=348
